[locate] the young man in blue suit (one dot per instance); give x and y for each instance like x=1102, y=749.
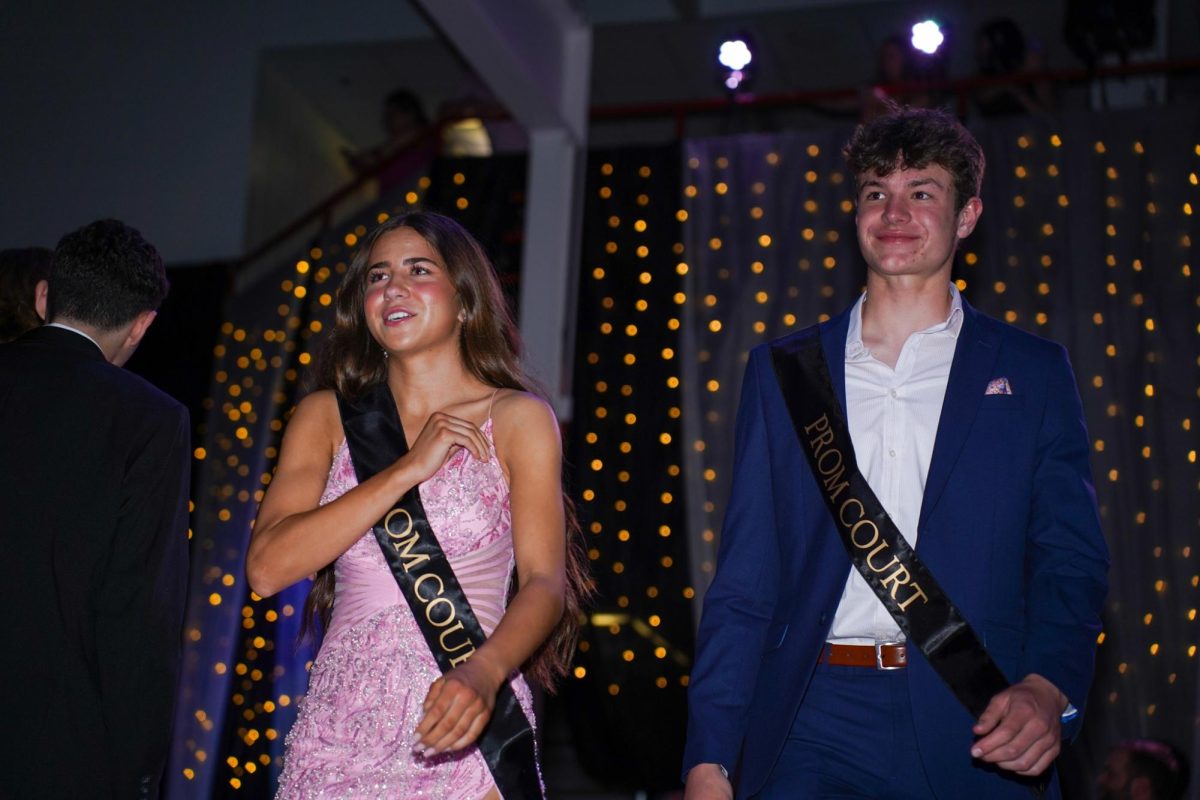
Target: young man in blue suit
x=971, y=435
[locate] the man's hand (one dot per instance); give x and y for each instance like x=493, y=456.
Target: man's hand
x=707, y=782
x=1020, y=728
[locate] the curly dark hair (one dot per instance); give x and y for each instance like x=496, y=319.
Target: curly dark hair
x=350, y=362
x=104, y=275
x=20, y=271
x=914, y=138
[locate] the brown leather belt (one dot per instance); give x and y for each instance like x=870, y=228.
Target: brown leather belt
x=876, y=656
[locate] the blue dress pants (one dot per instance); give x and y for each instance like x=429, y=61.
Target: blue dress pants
x=852, y=738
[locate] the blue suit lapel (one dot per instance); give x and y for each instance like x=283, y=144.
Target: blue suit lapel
x=833, y=342
x=974, y=357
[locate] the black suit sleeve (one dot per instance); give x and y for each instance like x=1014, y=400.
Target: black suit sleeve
x=140, y=613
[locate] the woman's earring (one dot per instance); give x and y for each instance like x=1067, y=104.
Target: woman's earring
x=385, y=353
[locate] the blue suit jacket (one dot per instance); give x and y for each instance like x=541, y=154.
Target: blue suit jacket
x=1008, y=526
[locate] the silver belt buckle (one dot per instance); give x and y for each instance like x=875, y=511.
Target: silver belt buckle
x=879, y=657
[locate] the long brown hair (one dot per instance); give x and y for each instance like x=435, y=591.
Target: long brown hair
x=351, y=361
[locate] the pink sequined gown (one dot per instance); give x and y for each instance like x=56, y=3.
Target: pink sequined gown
x=354, y=735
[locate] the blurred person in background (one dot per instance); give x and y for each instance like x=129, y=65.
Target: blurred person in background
x=1143, y=769
x=1001, y=50
x=895, y=64
x=23, y=275
x=409, y=146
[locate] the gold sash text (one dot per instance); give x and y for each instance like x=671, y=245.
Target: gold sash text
x=852, y=515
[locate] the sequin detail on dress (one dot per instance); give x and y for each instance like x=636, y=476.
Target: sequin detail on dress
x=355, y=730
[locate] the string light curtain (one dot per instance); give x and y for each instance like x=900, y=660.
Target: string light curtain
x=769, y=247
x=1087, y=238
x=243, y=667
x=628, y=692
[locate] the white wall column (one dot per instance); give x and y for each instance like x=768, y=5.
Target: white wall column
x=536, y=57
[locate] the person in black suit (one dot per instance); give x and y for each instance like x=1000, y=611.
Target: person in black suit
x=94, y=465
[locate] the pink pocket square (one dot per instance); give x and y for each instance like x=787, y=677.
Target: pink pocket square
x=999, y=386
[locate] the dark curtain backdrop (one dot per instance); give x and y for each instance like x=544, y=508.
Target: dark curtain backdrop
x=1088, y=238
x=176, y=354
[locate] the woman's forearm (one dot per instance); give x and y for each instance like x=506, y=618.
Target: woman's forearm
x=531, y=617
x=286, y=549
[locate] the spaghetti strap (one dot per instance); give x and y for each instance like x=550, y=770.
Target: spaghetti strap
x=491, y=403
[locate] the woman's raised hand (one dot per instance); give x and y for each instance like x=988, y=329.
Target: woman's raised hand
x=442, y=435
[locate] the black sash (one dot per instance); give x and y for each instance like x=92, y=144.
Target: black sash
x=880, y=553
x=376, y=440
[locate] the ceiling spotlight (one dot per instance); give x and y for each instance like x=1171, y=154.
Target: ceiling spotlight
x=735, y=54
x=734, y=57
x=927, y=36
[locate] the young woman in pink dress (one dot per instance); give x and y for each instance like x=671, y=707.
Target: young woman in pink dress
x=420, y=309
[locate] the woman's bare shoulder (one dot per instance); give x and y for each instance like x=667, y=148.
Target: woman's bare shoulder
x=317, y=418
x=516, y=408
x=523, y=424
x=320, y=405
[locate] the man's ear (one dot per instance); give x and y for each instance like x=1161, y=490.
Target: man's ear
x=968, y=217
x=141, y=324
x=138, y=330
x=41, y=294
x=133, y=337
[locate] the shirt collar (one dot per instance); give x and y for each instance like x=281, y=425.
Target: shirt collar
x=74, y=330
x=951, y=326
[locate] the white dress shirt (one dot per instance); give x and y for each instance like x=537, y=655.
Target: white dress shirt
x=893, y=418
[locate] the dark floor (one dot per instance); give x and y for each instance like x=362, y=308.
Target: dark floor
x=565, y=778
